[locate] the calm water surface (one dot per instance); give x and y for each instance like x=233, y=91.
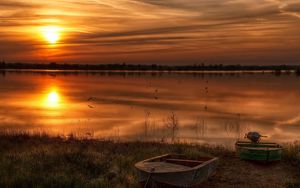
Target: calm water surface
x=210, y=108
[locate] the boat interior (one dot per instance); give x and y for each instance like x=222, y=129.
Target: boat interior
x=181, y=160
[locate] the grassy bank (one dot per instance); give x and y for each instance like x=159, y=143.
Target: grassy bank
x=291, y=156
x=43, y=161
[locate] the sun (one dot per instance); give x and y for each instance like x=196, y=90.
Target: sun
x=52, y=99
x=51, y=34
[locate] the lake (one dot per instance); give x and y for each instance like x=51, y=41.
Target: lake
x=215, y=108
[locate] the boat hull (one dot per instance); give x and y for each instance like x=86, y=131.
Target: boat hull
x=186, y=178
x=265, y=152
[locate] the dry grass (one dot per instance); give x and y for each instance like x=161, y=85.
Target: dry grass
x=42, y=161
x=291, y=156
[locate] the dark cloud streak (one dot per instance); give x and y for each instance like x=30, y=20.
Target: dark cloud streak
x=204, y=29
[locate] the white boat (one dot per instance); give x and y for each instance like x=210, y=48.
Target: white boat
x=175, y=170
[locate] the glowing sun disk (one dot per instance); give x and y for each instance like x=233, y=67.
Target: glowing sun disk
x=51, y=34
x=52, y=99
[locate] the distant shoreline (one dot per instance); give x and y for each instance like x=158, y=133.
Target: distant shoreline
x=195, y=73
x=149, y=68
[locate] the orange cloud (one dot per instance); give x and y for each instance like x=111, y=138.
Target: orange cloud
x=107, y=31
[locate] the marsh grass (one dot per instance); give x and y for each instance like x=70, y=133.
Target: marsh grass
x=291, y=155
x=38, y=160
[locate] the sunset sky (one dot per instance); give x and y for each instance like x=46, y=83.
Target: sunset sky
x=151, y=31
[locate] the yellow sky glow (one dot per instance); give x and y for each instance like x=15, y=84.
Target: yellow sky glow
x=147, y=31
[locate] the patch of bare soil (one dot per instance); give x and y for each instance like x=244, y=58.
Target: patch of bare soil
x=233, y=172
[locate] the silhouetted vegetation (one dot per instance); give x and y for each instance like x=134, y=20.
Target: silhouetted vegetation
x=39, y=160
x=277, y=72
x=154, y=67
x=291, y=156
x=298, y=72
x=42, y=161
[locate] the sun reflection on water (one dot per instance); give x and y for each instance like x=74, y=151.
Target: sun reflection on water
x=52, y=99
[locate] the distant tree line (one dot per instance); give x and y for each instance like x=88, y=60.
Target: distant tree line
x=154, y=67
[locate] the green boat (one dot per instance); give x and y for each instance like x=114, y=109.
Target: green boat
x=261, y=151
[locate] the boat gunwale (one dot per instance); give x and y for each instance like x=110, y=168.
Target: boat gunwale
x=262, y=148
x=258, y=146
x=177, y=171
x=244, y=141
